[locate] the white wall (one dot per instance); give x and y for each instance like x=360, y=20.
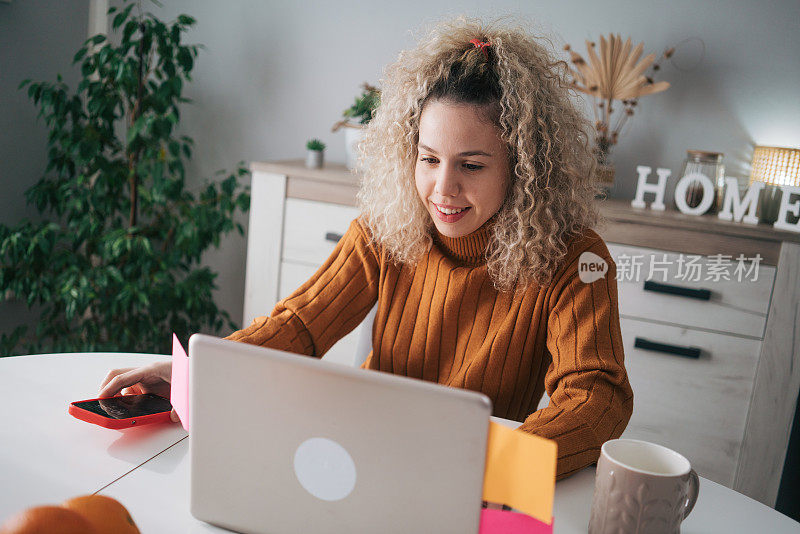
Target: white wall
x=276, y=73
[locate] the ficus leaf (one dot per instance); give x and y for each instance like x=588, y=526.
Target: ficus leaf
x=120, y=17
x=82, y=52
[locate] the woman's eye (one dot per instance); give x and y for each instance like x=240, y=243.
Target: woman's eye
x=468, y=166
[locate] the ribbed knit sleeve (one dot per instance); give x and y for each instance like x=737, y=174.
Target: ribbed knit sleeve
x=326, y=307
x=591, y=399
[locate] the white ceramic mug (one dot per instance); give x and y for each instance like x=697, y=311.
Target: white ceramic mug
x=641, y=487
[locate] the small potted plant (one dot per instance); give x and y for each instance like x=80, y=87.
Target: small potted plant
x=356, y=117
x=314, y=153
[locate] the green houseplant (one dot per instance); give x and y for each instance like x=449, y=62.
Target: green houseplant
x=364, y=106
x=315, y=145
x=356, y=117
x=115, y=263
x=315, y=150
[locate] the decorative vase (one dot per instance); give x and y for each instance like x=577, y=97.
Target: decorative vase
x=604, y=175
x=352, y=137
x=314, y=159
x=605, y=172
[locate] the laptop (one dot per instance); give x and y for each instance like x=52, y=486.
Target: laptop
x=283, y=443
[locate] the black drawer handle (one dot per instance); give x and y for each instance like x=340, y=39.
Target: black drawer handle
x=700, y=294
x=689, y=352
x=331, y=236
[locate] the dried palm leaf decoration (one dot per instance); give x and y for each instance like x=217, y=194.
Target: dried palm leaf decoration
x=616, y=73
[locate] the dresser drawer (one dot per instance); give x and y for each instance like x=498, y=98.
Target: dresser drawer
x=312, y=229
x=695, y=406
x=733, y=306
x=293, y=275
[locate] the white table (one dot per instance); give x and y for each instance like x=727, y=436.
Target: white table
x=48, y=456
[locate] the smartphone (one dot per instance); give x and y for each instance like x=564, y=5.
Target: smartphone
x=124, y=411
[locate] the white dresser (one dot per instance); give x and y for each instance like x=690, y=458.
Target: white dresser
x=692, y=358
x=711, y=361
x=310, y=233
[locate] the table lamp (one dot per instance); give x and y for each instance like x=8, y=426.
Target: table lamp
x=775, y=166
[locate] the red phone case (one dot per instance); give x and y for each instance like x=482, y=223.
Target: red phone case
x=108, y=422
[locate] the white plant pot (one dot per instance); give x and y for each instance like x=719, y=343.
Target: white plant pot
x=352, y=137
x=314, y=159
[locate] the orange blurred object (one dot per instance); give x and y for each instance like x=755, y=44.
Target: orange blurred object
x=48, y=520
x=107, y=515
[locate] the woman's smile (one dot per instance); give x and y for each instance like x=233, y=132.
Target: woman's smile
x=450, y=215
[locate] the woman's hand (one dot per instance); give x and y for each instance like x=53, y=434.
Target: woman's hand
x=154, y=378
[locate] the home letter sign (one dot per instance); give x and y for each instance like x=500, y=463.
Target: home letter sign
x=786, y=208
x=708, y=193
x=748, y=203
x=733, y=208
x=657, y=188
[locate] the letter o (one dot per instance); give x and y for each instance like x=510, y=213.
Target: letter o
x=708, y=193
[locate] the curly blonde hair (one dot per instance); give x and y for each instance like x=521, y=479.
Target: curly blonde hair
x=525, y=91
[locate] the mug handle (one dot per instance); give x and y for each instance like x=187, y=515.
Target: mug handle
x=691, y=497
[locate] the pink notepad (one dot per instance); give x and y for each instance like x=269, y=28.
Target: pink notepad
x=508, y=522
x=179, y=385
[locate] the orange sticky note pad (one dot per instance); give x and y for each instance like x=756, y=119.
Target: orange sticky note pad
x=520, y=471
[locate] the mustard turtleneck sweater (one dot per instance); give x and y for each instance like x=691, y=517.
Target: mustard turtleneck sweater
x=442, y=321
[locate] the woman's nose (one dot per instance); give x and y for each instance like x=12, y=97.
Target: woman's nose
x=446, y=182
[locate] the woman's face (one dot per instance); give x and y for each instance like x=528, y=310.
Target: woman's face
x=461, y=163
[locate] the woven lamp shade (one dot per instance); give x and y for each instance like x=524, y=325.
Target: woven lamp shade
x=776, y=166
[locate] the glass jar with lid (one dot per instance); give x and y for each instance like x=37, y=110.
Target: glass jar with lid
x=709, y=164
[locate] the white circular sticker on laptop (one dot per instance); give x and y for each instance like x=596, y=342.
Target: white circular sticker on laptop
x=325, y=469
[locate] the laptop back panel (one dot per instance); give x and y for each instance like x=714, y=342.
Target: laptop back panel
x=283, y=443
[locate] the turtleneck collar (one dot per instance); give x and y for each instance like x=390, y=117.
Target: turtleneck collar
x=468, y=248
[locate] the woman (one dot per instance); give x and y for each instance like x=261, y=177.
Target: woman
x=476, y=203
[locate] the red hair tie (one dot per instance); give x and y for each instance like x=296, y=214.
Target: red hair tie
x=482, y=45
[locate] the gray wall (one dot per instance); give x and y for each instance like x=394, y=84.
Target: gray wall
x=37, y=40
x=274, y=74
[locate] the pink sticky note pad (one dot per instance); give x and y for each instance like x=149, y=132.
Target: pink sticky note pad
x=179, y=386
x=508, y=522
